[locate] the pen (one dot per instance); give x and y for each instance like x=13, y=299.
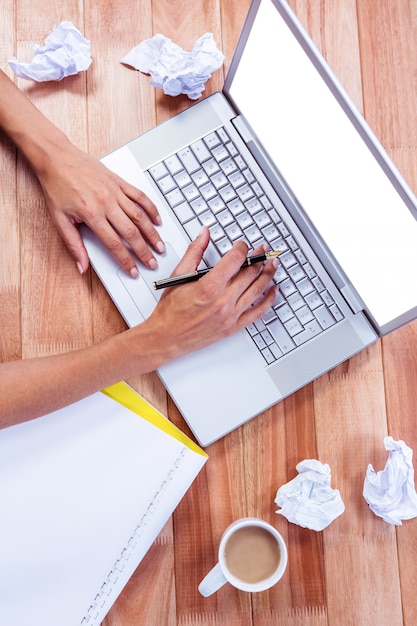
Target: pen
x=188, y=278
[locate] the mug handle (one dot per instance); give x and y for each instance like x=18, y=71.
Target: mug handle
x=212, y=581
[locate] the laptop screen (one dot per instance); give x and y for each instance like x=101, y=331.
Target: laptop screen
x=338, y=182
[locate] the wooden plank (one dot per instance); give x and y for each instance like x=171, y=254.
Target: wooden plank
x=10, y=337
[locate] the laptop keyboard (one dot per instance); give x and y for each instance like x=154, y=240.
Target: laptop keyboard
x=209, y=183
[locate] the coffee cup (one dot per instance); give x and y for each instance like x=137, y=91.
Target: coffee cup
x=252, y=557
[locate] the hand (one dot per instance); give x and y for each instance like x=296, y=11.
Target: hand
x=191, y=316
x=79, y=188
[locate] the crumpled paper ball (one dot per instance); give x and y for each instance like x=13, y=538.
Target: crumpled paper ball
x=66, y=52
x=308, y=499
x=174, y=70
x=391, y=493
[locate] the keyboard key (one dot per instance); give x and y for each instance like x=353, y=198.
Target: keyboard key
x=262, y=219
x=216, y=204
x=287, y=287
x=220, y=153
x=184, y=212
x=233, y=151
x=327, y=298
x=173, y=164
x=219, y=180
x=285, y=313
x=193, y=228
x=158, y=170
x=227, y=193
x=253, y=206
x=199, y=205
x=288, y=260
x=208, y=191
x=211, y=167
x=200, y=177
x=268, y=355
x=244, y=219
x=234, y=232
x=188, y=160
x=216, y=231
x=324, y=317
x=305, y=287
x=224, y=137
x=212, y=140
x=223, y=245
x=191, y=192
x=174, y=197
x=225, y=218
x=293, y=326
x=283, y=339
x=296, y=272
x=313, y=300
x=237, y=179
x=166, y=184
x=296, y=301
x=208, y=219
x=245, y=192
x=182, y=178
x=300, y=256
x=336, y=312
x=228, y=166
x=253, y=234
x=304, y=314
x=200, y=151
x=269, y=316
x=211, y=254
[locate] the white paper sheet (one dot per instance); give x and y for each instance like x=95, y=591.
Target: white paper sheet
x=308, y=499
x=174, y=70
x=391, y=492
x=66, y=52
x=83, y=494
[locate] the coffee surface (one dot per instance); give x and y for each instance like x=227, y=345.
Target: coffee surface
x=252, y=554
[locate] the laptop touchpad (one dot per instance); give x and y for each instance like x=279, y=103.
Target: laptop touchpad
x=141, y=289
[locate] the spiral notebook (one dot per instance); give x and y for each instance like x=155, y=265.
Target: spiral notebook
x=84, y=492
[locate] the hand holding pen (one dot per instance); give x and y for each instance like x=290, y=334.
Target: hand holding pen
x=197, y=274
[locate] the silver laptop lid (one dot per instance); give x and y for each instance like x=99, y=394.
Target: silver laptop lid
x=362, y=212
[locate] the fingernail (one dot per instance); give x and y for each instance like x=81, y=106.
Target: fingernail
x=160, y=246
x=158, y=220
x=153, y=264
x=79, y=267
x=275, y=262
x=134, y=272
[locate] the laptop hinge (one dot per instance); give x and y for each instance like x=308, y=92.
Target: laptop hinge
x=351, y=299
x=242, y=129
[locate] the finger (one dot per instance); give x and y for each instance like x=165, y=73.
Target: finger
x=73, y=240
x=140, y=198
x=135, y=227
x=255, y=289
x=229, y=265
x=114, y=244
x=194, y=254
x=259, y=309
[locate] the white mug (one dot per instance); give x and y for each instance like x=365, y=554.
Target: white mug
x=252, y=557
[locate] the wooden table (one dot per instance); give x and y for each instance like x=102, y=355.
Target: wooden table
x=360, y=571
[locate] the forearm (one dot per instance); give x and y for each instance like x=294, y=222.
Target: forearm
x=34, y=387
x=34, y=135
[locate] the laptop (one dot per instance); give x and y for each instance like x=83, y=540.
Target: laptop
x=280, y=155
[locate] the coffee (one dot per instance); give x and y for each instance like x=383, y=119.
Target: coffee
x=252, y=554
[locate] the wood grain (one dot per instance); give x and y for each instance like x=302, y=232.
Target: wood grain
x=359, y=571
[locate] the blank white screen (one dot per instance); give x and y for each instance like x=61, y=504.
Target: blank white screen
x=328, y=166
